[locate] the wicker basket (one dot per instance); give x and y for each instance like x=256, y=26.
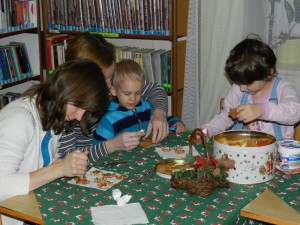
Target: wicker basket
x=203, y=179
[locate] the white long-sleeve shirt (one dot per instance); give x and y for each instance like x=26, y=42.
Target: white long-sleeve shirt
x=21, y=135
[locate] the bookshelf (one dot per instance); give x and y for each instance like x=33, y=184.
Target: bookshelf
x=27, y=32
x=172, y=35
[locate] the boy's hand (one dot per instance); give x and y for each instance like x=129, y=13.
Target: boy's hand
x=179, y=127
x=249, y=112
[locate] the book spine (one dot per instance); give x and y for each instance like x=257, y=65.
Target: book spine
x=98, y=16
x=3, y=67
x=106, y=16
x=26, y=59
x=86, y=16
x=18, y=14
x=101, y=16
x=161, y=22
x=142, y=17
x=32, y=10
x=25, y=9
x=166, y=17
x=151, y=16
x=112, y=11
x=51, y=16
x=76, y=15
x=21, y=60
x=11, y=16
x=70, y=18
x=129, y=29
x=16, y=63
x=120, y=14
x=8, y=69
x=146, y=17
x=80, y=15
x=92, y=8
x=10, y=65
x=65, y=14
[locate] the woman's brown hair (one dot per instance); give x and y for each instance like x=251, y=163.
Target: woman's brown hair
x=77, y=82
x=93, y=47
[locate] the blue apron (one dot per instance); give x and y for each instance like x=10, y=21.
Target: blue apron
x=273, y=99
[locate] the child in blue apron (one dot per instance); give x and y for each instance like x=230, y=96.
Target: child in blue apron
x=263, y=101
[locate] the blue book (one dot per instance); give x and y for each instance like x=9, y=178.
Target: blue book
x=3, y=65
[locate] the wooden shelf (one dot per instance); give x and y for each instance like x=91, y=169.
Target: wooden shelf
x=37, y=77
x=34, y=30
x=31, y=30
x=178, y=30
x=117, y=35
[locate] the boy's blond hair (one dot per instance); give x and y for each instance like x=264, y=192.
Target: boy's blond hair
x=128, y=68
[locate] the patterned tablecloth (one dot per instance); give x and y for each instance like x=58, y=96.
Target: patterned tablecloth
x=63, y=203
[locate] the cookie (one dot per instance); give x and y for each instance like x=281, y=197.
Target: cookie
x=232, y=113
x=146, y=143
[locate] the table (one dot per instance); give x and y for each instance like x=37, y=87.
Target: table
x=63, y=203
x=269, y=207
x=23, y=207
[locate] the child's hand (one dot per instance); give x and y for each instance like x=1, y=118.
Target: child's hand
x=249, y=112
x=179, y=127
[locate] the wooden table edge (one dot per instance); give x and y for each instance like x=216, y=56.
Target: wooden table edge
x=261, y=218
x=18, y=215
x=4, y=210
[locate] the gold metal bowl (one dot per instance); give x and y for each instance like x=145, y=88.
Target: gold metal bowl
x=165, y=167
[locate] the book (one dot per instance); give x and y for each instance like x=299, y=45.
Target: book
x=93, y=20
x=148, y=69
x=4, y=67
x=16, y=60
x=13, y=67
x=50, y=41
x=166, y=17
x=25, y=12
x=99, y=16
x=22, y=51
x=156, y=65
x=21, y=61
x=165, y=68
x=32, y=11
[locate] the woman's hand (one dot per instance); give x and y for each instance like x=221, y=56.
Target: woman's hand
x=75, y=163
x=158, y=126
x=124, y=141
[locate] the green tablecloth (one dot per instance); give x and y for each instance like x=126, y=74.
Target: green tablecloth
x=64, y=203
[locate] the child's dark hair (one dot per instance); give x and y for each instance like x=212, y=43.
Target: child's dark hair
x=250, y=60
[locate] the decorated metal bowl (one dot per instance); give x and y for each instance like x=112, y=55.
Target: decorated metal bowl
x=253, y=152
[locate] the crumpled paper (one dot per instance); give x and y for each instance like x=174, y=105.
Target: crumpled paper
x=116, y=194
x=120, y=214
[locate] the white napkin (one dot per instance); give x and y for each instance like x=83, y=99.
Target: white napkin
x=119, y=215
